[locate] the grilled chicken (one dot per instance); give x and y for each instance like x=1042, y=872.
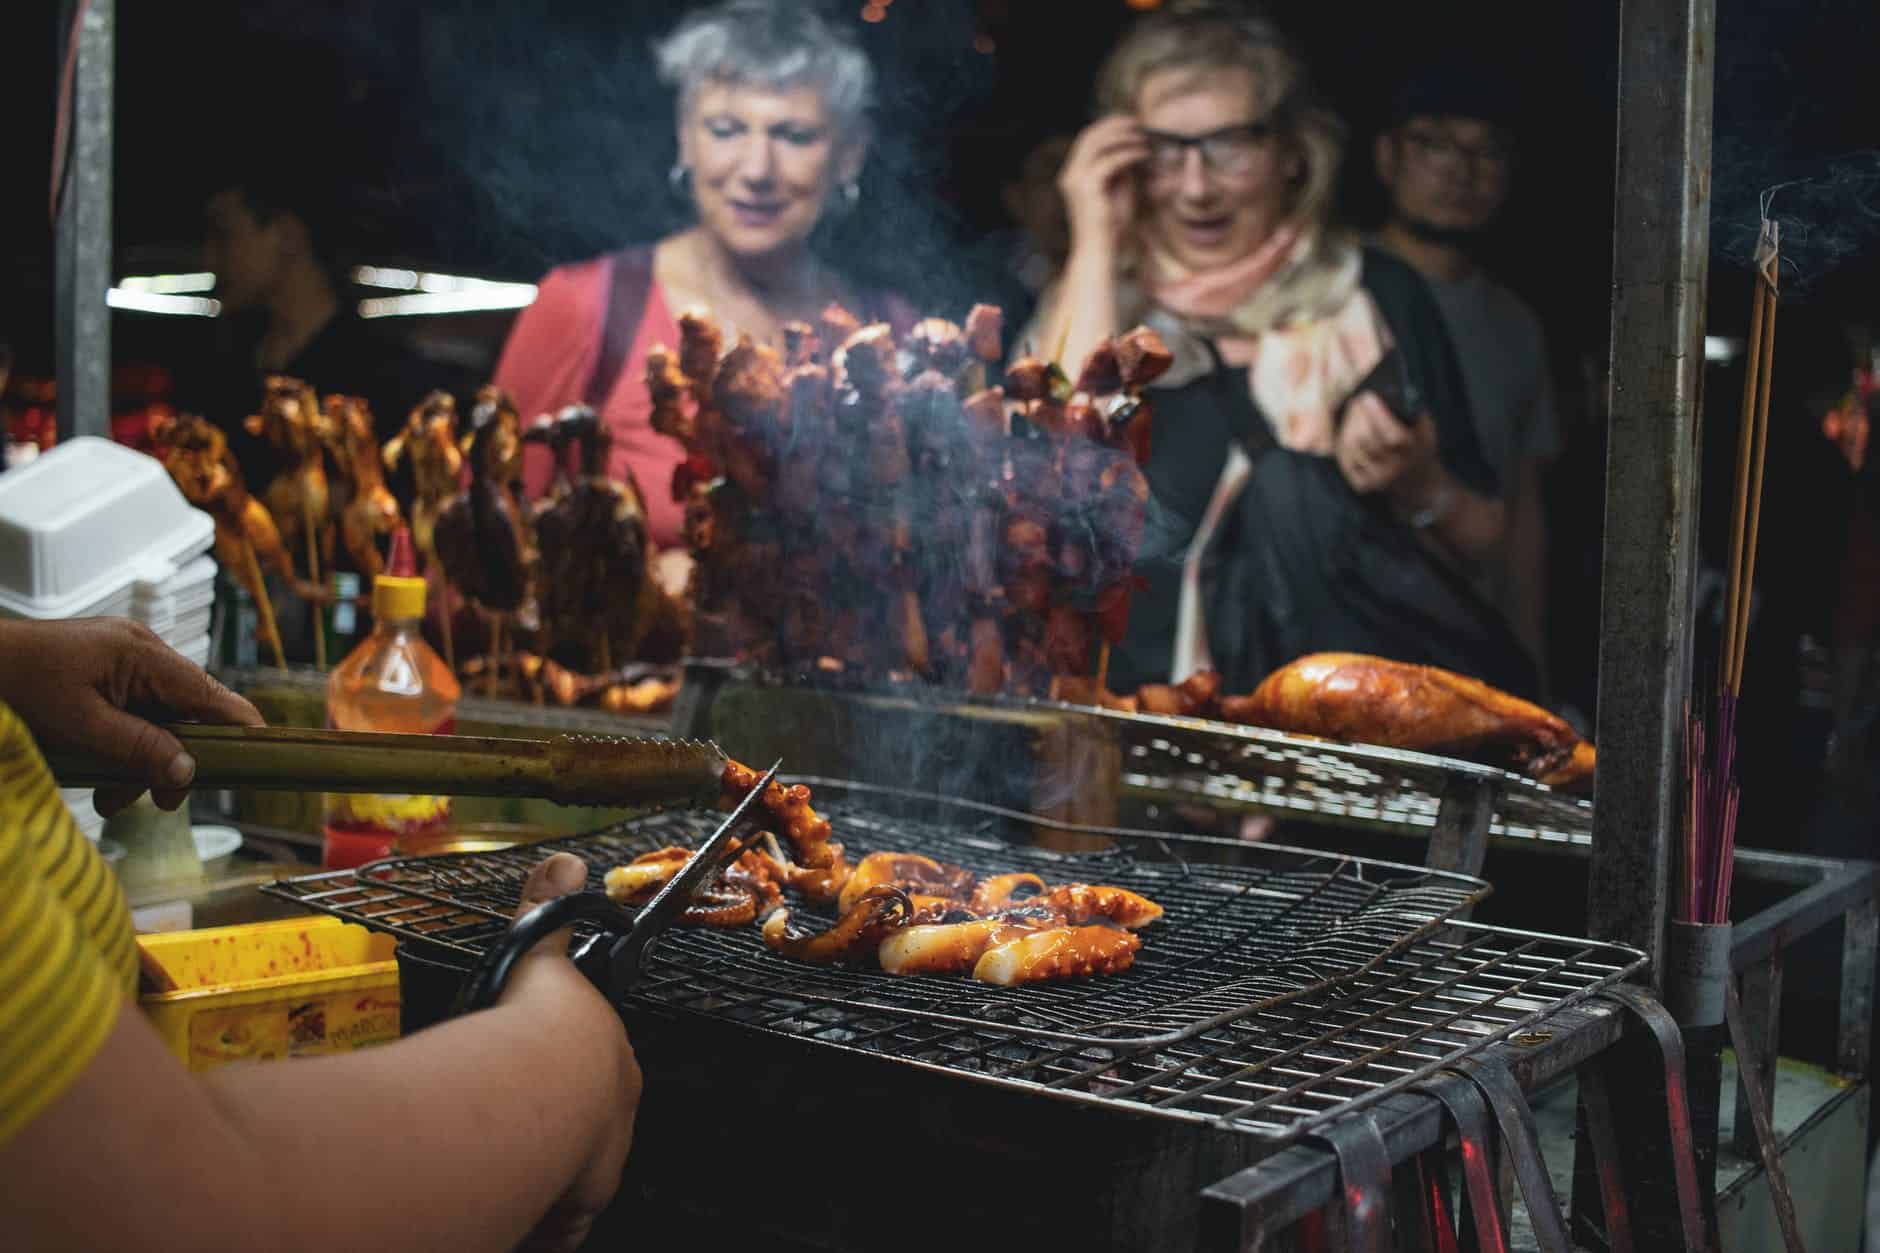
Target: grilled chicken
x=429, y=440
x=298, y=499
x=196, y=454
x=370, y=510
x=1350, y=696
x=478, y=534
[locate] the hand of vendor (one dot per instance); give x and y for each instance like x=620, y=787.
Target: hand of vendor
x=549, y=979
x=96, y=685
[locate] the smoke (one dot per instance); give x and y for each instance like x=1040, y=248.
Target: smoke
x=1791, y=134
x=1827, y=210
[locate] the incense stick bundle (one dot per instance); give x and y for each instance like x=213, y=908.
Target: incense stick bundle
x=1712, y=796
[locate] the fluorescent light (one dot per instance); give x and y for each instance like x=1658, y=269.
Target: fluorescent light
x=383, y=276
x=1719, y=348
x=428, y=293
x=485, y=297
x=168, y=284
x=154, y=302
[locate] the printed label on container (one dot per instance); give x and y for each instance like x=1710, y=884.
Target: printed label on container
x=333, y=1023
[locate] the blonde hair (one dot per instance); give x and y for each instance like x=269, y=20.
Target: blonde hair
x=1201, y=36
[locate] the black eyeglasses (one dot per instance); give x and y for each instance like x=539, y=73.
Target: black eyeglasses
x=1434, y=146
x=1230, y=151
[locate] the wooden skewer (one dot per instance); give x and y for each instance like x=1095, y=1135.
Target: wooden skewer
x=1753, y=359
x=263, y=606
x=1103, y=667
x=1755, y=495
x=450, y=647
x=313, y=578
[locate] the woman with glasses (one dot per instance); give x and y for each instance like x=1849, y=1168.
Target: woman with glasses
x=1316, y=481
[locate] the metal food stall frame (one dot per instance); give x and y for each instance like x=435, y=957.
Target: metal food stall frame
x=1615, y=1040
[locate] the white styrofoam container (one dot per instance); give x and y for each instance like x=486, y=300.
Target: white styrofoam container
x=83, y=523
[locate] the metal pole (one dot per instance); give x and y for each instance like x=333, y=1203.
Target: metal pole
x=1661, y=240
x=83, y=328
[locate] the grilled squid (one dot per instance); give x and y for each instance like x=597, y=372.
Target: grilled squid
x=946, y=948
x=1002, y=890
x=822, y=886
x=855, y=935
x=1079, y=903
x=906, y=870
x=807, y=831
x=635, y=882
x=1058, y=953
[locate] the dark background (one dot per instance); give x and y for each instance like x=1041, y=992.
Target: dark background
x=499, y=139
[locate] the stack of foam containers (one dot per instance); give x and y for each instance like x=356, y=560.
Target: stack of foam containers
x=93, y=529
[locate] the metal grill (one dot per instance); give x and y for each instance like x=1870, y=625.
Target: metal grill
x=1275, y=994
x=1280, y=923
x=1324, y=781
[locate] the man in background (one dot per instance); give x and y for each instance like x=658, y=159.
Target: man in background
x=1446, y=162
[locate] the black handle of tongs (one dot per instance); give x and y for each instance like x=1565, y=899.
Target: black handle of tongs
x=491, y=974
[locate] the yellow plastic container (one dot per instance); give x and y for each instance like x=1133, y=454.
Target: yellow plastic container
x=292, y=988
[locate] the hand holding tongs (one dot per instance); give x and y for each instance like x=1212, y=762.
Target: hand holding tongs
x=627, y=937
x=567, y=769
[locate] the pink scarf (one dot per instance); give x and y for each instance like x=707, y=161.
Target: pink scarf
x=1301, y=369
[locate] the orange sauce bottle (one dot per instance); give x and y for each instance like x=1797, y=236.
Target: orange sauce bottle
x=393, y=681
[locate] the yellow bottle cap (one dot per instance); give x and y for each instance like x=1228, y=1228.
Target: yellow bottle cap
x=394, y=597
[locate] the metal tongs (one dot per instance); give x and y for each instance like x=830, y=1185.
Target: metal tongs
x=566, y=769
x=613, y=960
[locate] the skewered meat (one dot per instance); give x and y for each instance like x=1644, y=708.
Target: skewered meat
x=370, y=510
x=1196, y=696
x=298, y=498
x=807, y=831
x=478, y=534
x=1141, y=357
x=1058, y=953
x=910, y=871
x=985, y=332
x=429, y=441
x=196, y=454
x=596, y=579
x=855, y=935
x=1350, y=696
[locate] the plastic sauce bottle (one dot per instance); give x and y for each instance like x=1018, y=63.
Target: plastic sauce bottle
x=393, y=681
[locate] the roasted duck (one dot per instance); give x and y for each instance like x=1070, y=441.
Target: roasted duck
x=1350, y=696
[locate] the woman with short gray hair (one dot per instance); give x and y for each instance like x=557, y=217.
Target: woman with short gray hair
x=773, y=101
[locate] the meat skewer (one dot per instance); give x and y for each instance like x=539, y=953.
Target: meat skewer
x=298, y=498
x=370, y=511
x=196, y=454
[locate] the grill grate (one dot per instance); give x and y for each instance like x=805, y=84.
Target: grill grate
x=1325, y=781
x=1275, y=993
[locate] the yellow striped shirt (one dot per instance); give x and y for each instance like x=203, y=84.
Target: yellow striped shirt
x=68, y=959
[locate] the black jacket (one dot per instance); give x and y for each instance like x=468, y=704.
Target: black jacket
x=1303, y=564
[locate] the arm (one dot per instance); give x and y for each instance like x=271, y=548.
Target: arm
x=1377, y=453
x=1098, y=185
x=460, y=1137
